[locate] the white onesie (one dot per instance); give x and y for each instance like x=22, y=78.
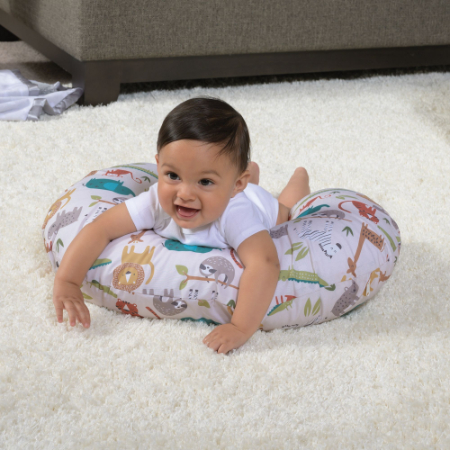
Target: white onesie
x=247, y=213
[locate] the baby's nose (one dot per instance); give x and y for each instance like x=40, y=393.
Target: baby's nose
x=186, y=192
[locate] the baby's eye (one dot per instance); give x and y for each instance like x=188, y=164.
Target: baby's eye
x=206, y=182
x=172, y=175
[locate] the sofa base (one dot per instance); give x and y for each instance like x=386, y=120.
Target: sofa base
x=6, y=36
x=101, y=80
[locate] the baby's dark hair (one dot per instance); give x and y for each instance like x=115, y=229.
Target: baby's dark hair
x=209, y=120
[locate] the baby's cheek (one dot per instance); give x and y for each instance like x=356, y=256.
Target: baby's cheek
x=215, y=209
x=166, y=201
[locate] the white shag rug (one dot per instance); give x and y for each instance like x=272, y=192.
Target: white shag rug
x=375, y=379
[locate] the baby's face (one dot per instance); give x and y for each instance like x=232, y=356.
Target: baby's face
x=194, y=184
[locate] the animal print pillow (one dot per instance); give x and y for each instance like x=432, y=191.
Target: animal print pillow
x=336, y=253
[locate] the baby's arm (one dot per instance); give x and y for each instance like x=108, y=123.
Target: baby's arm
x=80, y=255
x=256, y=288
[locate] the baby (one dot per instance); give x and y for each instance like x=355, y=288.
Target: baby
x=207, y=194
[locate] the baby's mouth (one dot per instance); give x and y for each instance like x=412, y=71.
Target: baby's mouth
x=186, y=212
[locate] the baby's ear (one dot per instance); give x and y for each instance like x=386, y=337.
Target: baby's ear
x=157, y=158
x=241, y=182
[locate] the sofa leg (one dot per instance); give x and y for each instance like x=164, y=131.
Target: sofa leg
x=7, y=36
x=101, y=83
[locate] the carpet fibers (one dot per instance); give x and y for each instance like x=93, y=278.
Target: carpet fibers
x=377, y=378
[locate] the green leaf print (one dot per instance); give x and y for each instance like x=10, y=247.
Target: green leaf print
x=302, y=254
x=183, y=284
x=393, y=246
x=294, y=247
x=316, y=308
x=204, y=303
x=308, y=307
x=348, y=230
x=58, y=243
x=182, y=270
x=95, y=197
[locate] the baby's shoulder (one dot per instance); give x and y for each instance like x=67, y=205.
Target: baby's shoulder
x=238, y=211
x=239, y=199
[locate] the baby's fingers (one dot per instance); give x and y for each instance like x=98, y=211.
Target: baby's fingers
x=76, y=311
x=210, y=337
x=80, y=312
x=225, y=348
x=220, y=346
x=72, y=311
x=59, y=310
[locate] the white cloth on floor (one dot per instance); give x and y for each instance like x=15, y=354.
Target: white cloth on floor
x=22, y=99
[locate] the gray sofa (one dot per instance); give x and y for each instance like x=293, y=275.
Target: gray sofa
x=103, y=43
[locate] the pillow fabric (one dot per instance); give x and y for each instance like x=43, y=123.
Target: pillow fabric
x=336, y=252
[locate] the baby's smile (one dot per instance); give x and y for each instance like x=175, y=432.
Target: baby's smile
x=186, y=213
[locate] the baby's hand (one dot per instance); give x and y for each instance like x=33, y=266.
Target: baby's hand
x=225, y=338
x=68, y=296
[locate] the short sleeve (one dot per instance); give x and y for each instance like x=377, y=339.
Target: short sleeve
x=241, y=220
x=144, y=208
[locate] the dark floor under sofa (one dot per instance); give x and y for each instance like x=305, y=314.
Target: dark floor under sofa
x=103, y=43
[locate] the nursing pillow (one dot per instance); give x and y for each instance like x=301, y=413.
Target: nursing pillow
x=336, y=252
